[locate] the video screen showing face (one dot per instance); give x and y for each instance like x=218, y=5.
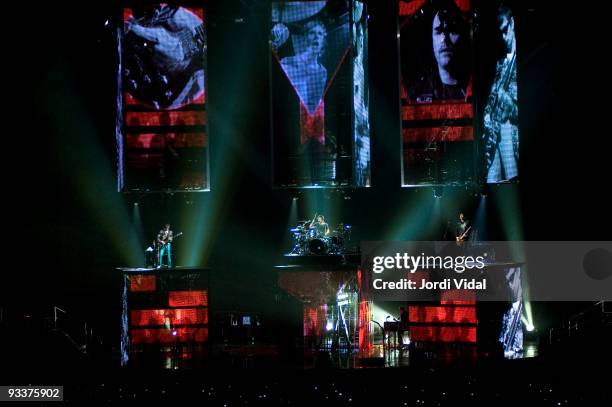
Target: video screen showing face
x=162, y=139
x=436, y=90
x=314, y=133
x=500, y=133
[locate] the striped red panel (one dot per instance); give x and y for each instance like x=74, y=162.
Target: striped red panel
x=142, y=283
x=174, y=140
x=443, y=333
x=314, y=320
x=166, y=118
x=437, y=111
x=130, y=100
x=451, y=133
x=457, y=302
x=442, y=314
x=409, y=8
x=163, y=335
x=418, y=276
x=458, y=297
x=188, y=298
x=169, y=317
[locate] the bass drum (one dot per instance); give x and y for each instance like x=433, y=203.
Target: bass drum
x=318, y=246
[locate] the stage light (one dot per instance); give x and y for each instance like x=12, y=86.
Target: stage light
x=529, y=327
x=329, y=326
x=438, y=191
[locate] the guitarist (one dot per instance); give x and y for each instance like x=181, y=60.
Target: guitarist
x=164, y=243
x=462, y=231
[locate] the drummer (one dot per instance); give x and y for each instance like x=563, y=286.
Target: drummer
x=318, y=223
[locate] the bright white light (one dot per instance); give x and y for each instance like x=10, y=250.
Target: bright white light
x=329, y=326
x=529, y=327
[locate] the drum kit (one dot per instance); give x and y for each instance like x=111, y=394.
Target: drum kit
x=306, y=240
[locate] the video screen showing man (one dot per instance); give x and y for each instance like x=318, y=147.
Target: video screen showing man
x=437, y=51
x=163, y=49
x=501, y=135
x=304, y=69
x=310, y=106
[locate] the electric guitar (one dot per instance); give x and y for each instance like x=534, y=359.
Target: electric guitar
x=163, y=242
x=464, y=235
x=159, y=59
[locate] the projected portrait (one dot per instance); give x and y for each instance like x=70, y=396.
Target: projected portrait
x=436, y=89
x=164, y=56
x=313, y=96
x=442, y=54
x=304, y=69
x=500, y=121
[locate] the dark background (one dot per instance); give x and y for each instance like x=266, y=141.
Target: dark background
x=59, y=82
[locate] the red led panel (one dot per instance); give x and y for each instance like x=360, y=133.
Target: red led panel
x=442, y=314
x=457, y=302
x=163, y=335
x=443, y=333
x=314, y=320
x=437, y=111
x=458, y=297
x=428, y=134
x=365, y=316
x=188, y=298
x=142, y=283
x=169, y=317
x=166, y=118
x=161, y=141
x=130, y=100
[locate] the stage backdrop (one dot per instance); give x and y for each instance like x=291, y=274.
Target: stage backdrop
x=161, y=122
x=320, y=99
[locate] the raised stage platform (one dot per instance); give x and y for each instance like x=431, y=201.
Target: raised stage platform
x=165, y=317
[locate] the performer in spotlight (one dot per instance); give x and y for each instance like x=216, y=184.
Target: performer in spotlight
x=462, y=231
x=164, y=244
x=318, y=223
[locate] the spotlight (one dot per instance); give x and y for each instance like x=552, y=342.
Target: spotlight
x=485, y=190
x=329, y=326
x=529, y=327
x=438, y=192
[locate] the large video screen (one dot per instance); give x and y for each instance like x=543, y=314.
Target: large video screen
x=497, y=69
x=320, y=100
x=161, y=124
x=436, y=90
x=361, y=96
